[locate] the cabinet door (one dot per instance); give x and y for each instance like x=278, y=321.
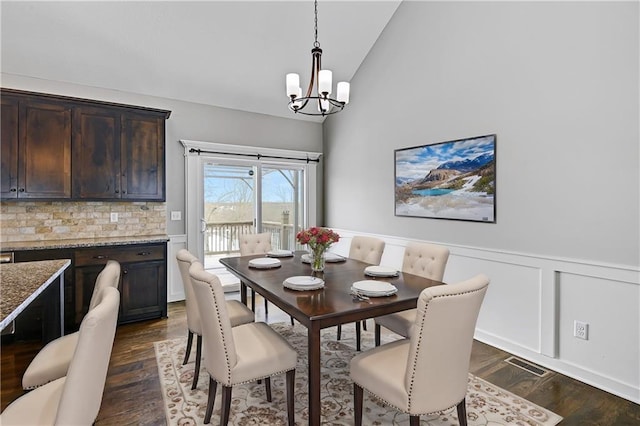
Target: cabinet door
x=9, y=148
x=143, y=157
x=96, y=153
x=144, y=291
x=44, y=150
x=84, y=283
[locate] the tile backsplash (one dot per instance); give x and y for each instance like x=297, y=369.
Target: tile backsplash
x=43, y=220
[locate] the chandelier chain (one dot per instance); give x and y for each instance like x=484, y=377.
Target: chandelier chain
x=316, y=43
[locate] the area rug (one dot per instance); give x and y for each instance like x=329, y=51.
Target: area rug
x=486, y=404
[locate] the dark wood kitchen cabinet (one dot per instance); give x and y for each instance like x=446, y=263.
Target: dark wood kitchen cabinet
x=143, y=280
x=36, y=148
x=57, y=147
x=118, y=155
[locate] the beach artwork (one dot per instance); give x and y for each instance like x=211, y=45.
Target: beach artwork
x=448, y=180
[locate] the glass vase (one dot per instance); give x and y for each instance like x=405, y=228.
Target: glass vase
x=317, y=260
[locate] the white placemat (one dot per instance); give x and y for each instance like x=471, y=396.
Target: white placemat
x=264, y=263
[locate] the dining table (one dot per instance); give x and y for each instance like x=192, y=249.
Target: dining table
x=23, y=282
x=329, y=306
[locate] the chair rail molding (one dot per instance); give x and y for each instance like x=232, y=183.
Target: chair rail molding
x=533, y=301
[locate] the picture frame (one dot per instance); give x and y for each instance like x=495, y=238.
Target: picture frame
x=453, y=180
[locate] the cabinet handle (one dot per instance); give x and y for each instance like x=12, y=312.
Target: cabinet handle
x=117, y=191
x=21, y=190
x=100, y=256
x=13, y=190
x=125, y=272
x=144, y=253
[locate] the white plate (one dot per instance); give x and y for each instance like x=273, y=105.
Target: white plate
x=328, y=257
x=264, y=263
x=303, y=283
x=280, y=253
x=380, y=271
x=374, y=288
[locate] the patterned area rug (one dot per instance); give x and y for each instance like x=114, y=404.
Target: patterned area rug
x=486, y=404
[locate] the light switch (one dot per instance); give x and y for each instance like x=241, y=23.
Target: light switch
x=176, y=215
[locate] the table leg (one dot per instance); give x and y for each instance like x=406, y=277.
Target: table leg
x=243, y=292
x=313, y=337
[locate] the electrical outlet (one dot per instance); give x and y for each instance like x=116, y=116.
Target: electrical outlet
x=114, y=217
x=581, y=330
x=176, y=215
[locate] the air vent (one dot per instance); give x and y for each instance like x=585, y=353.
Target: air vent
x=527, y=366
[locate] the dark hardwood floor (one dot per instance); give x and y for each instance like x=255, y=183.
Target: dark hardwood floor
x=132, y=392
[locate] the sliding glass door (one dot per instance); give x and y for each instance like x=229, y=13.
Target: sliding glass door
x=243, y=197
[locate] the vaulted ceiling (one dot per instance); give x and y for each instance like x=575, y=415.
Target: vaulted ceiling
x=232, y=54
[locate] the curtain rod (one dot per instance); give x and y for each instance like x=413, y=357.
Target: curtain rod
x=258, y=156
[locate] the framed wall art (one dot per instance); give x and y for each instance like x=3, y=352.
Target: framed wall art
x=448, y=180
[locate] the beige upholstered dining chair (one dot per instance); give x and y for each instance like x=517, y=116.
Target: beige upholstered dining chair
x=423, y=259
x=433, y=377
x=237, y=355
x=52, y=361
x=255, y=244
x=76, y=398
x=367, y=250
x=238, y=312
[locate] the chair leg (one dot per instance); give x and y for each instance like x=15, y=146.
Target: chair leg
x=414, y=420
x=212, y=397
x=291, y=380
x=358, y=333
x=364, y=325
x=266, y=307
x=291, y=320
x=188, y=351
x=339, y=331
x=267, y=387
x=462, y=413
x=357, y=405
x=196, y=371
x=226, y=405
x=377, y=334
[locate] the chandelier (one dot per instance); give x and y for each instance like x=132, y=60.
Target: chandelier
x=321, y=103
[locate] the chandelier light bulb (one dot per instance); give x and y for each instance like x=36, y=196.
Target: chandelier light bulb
x=343, y=92
x=324, y=83
x=324, y=106
x=293, y=85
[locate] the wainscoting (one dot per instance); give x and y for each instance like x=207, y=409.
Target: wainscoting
x=532, y=304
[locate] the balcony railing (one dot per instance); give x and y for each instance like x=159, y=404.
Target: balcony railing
x=222, y=237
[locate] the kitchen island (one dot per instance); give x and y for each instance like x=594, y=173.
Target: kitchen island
x=22, y=283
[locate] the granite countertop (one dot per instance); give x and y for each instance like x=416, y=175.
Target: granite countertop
x=22, y=282
x=82, y=242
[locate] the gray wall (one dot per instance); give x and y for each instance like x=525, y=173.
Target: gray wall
x=194, y=122
x=557, y=83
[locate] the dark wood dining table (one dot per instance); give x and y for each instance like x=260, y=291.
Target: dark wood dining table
x=332, y=305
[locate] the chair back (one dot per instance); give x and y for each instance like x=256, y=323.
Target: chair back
x=426, y=260
x=254, y=243
x=185, y=259
x=366, y=249
x=108, y=277
x=440, y=345
x=82, y=392
x=218, y=346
